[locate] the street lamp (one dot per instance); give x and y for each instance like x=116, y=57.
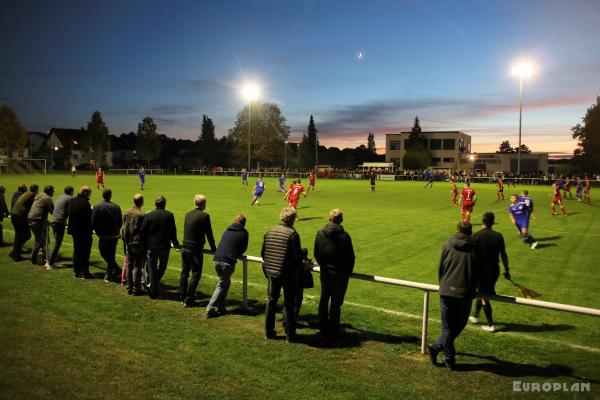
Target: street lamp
x=250, y=92
x=316, y=151
x=522, y=70
x=285, y=156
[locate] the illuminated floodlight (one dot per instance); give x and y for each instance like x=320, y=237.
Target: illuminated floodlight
x=251, y=91
x=472, y=157
x=522, y=69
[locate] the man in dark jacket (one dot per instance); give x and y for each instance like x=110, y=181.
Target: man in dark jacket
x=80, y=228
x=458, y=276
x=197, y=229
x=22, y=188
x=282, y=257
x=335, y=255
x=3, y=212
x=106, y=222
x=491, y=249
x=233, y=244
x=58, y=223
x=134, y=248
x=18, y=218
x=158, y=232
x=38, y=221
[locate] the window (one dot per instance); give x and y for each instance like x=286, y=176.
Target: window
x=435, y=144
x=449, y=144
x=435, y=161
x=449, y=159
x=395, y=145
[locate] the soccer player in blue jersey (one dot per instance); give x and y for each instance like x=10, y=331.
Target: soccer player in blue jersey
x=519, y=216
x=429, y=177
x=259, y=188
x=142, y=176
x=244, y=177
x=579, y=188
x=282, y=184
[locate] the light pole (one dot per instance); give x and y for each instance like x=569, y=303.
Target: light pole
x=251, y=92
x=522, y=70
x=285, y=156
x=316, y=151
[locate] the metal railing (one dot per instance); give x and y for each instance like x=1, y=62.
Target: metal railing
x=427, y=289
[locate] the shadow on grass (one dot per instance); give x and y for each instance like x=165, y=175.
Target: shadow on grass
x=548, y=238
x=309, y=218
x=542, y=245
x=513, y=370
x=509, y=327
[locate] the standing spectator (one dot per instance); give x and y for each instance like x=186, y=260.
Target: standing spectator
x=233, y=244
x=18, y=218
x=99, y=178
x=335, y=255
x=134, y=249
x=491, y=249
x=73, y=171
x=38, y=221
x=58, y=223
x=3, y=212
x=22, y=188
x=372, y=181
x=158, y=232
x=458, y=279
x=80, y=228
x=106, y=222
x=282, y=257
x=196, y=230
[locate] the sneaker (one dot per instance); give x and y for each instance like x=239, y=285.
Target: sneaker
x=190, y=304
x=50, y=267
x=212, y=313
x=77, y=276
x=474, y=320
x=87, y=275
x=488, y=328
x=534, y=245
x=292, y=338
x=432, y=354
x=451, y=365
x=271, y=335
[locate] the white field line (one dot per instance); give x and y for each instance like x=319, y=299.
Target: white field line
x=568, y=233
x=403, y=314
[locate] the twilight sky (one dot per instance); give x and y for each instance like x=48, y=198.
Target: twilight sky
x=448, y=62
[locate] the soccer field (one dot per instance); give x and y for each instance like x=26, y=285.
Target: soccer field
x=87, y=339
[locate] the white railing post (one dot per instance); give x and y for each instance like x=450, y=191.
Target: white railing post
x=245, y=282
x=425, y=327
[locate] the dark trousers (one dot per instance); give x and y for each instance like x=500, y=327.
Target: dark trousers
x=191, y=260
x=289, y=301
x=22, y=233
x=333, y=290
x=59, y=234
x=455, y=314
x=39, y=242
x=136, y=256
x=108, y=251
x=157, y=265
x=1, y=234
x=82, y=247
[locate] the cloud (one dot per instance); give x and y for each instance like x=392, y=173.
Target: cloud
x=172, y=109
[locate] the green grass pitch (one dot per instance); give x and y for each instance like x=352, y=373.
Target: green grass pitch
x=67, y=338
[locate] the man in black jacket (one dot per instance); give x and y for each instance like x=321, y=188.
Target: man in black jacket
x=282, y=257
x=232, y=245
x=335, y=255
x=38, y=222
x=3, y=212
x=134, y=248
x=157, y=233
x=80, y=228
x=106, y=222
x=18, y=218
x=197, y=229
x=22, y=188
x=458, y=276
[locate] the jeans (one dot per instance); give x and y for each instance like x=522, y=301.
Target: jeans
x=333, y=291
x=82, y=247
x=224, y=271
x=135, y=266
x=157, y=265
x=191, y=260
x=289, y=300
x=22, y=233
x=108, y=250
x=39, y=243
x=455, y=314
x=59, y=234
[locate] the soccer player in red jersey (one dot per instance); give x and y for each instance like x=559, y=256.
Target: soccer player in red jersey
x=467, y=200
x=500, y=188
x=99, y=178
x=567, y=189
x=312, y=177
x=586, y=190
x=293, y=194
x=557, y=200
x=454, y=192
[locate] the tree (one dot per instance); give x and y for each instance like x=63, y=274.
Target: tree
x=268, y=133
x=308, y=146
x=524, y=149
x=416, y=158
x=415, y=137
x=505, y=147
x=371, y=146
x=207, y=142
x=13, y=136
x=95, y=140
x=147, y=142
x=587, y=135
